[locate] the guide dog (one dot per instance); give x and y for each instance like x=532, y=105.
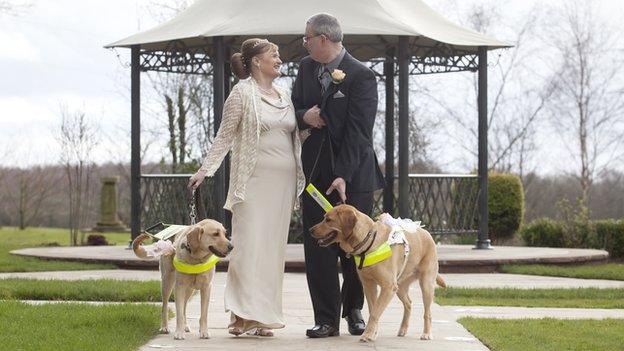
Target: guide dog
x=194, y=246
x=357, y=234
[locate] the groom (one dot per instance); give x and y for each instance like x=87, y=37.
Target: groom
x=335, y=98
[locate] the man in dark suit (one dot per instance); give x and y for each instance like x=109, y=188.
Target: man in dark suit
x=335, y=98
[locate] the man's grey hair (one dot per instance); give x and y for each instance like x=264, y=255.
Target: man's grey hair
x=324, y=23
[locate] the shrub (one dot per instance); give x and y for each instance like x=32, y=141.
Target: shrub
x=506, y=205
x=610, y=236
x=543, y=232
x=96, y=240
x=602, y=234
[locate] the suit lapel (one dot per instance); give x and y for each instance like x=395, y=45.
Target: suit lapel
x=333, y=88
x=315, y=82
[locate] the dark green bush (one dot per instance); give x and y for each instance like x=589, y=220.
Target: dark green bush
x=543, y=232
x=506, y=205
x=602, y=234
x=610, y=236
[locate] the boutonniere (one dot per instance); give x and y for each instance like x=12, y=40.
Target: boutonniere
x=338, y=76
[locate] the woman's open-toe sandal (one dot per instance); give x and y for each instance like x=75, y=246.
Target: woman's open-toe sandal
x=246, y=327
x=238, y=327
x=264, y=332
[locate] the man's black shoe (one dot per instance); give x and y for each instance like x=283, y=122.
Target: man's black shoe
x=322, y=331
x=356, y=322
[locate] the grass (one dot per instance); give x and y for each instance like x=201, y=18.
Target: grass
x=85, y=327
x=80, y=290
x=610, y=271
x=13, y=239
x=567, y=298
x=547, y=334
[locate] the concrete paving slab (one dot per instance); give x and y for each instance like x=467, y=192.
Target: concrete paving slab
x=448, y=335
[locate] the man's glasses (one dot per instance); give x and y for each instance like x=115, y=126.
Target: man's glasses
x=306, y=39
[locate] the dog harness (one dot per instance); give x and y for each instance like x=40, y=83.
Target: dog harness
x=195, y=268
x=384, y=251
x=380, y=254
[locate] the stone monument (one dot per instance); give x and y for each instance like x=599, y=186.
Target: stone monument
x=109, y=221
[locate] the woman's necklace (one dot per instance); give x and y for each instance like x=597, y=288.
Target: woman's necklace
x=268, y=92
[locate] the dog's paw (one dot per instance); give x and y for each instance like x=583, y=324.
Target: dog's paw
x=163, y=330
x=368, y=336
x=204, y=335
x=178, y=336
x=426, y=336
x=402, y=332
x=365, y=338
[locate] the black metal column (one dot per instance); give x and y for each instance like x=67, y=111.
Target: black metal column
x=403, y=59
x=483, y=240
x=135, y=143
x=388, y=196
x=218, y=83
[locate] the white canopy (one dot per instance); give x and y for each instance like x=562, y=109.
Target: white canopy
x=369, y=26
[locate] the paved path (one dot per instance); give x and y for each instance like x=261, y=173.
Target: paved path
x=448, y=334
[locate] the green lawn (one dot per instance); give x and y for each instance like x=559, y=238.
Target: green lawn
x=13, y=239
x=547, y=334
x=80, y=290
x=610, y=271
x=569, y=298
x=64, y=326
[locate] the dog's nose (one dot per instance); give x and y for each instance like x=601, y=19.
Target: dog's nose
x=230, y=247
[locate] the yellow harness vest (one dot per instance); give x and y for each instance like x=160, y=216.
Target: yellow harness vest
x=382, y=253
x=195, y=268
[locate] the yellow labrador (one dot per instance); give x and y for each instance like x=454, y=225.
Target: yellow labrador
x=356, y=233
x=194, y=246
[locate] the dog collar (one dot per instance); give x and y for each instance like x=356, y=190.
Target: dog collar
x=195, y=268
x=380, y=254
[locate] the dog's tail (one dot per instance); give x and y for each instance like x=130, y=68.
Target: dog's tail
x=440, y=281
x=139, y=251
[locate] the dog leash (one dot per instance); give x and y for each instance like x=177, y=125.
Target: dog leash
x=192, y=212
x=318, y=155
x=327, y=137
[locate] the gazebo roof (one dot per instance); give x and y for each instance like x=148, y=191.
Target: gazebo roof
x=369, y=27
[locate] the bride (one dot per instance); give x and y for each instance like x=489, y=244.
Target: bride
x=259, y=127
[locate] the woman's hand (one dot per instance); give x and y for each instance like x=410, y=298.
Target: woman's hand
x=196, y=180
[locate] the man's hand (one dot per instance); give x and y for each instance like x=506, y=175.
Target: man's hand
x=313, y=118
x=340, y=185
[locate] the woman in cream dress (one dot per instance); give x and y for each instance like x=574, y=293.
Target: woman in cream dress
x=259, y=127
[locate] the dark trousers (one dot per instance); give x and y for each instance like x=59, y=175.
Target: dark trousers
x=321, y=264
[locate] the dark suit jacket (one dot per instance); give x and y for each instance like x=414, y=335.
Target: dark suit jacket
x=349, y=124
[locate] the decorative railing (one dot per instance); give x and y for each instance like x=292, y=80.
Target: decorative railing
x=445, y=204
x=165, y=198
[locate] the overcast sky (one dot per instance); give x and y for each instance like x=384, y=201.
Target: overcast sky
x=52, y=55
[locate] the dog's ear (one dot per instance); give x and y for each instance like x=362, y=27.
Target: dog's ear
x=194, y=237
x=348, y=219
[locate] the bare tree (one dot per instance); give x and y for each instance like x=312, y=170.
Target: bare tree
x=185, y=101
x=14, y=7
x=421, y=126
x=588, y=104
x=517, y=92
x=26, y=191
x=77, y=137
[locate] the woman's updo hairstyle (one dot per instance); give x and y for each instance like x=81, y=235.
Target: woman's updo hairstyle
x=241, y=61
